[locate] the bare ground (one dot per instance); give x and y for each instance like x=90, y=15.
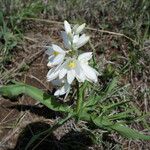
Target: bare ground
x=22, y=118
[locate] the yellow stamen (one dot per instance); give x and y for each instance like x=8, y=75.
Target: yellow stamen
x=71, y=64
x=55, y=53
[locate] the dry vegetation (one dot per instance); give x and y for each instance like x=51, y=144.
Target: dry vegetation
x=120, y=37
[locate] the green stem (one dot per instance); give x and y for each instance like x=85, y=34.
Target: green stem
x=80, y=97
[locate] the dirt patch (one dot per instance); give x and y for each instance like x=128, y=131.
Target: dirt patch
x=16, y=114
x=23, y=117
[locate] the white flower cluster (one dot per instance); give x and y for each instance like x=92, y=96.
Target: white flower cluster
x=68, y=65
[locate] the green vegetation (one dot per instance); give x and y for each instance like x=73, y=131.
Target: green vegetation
x=120, y=33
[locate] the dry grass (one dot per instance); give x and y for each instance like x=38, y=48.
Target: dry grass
x=114, y=27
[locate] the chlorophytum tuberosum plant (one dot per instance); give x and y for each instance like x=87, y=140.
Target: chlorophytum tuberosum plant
x=74, y=73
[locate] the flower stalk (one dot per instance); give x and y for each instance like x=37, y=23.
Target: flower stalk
x=80, y=97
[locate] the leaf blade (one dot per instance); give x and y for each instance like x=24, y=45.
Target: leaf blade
x=119, y=128
x=37, y=94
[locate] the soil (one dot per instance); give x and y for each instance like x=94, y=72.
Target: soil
x=23, y=117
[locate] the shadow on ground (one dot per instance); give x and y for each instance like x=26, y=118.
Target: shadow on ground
x=70, y=141
x=36, y=109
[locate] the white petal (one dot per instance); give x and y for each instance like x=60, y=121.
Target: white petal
x=64, y=89
x=62, y=73
x=58, y=59
x=49, y=64
x=80, y=28
x=52, y=74
x=84, y=57
x=82, y=40
x=79, y=74
x=70, y=76
x=53, y=61
x=67, y=27
x=75, y=39
x=65, y=40
x=90, y=72
x=57, y=48
x=50, y=59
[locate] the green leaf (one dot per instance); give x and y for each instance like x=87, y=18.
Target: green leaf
x=121, y=129
x=37, y=94
x=1, y=18
x=95, y=98
x=102, y=122
x=123, y=115
x=111, y=85
x=92, y=100
x=113, y=106
x=129, y=133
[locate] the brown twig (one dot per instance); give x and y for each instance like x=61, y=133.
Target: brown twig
x=88, y=28
x=113, y=33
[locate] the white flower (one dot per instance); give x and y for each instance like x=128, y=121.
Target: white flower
x=76, y=42
x=67, y=27
x=62, y=85
x=70, y=68
x=78, y=29
x=80, y=41
x=71, y=37
x=75, y=30
x=56, y=55
x=75, y=68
